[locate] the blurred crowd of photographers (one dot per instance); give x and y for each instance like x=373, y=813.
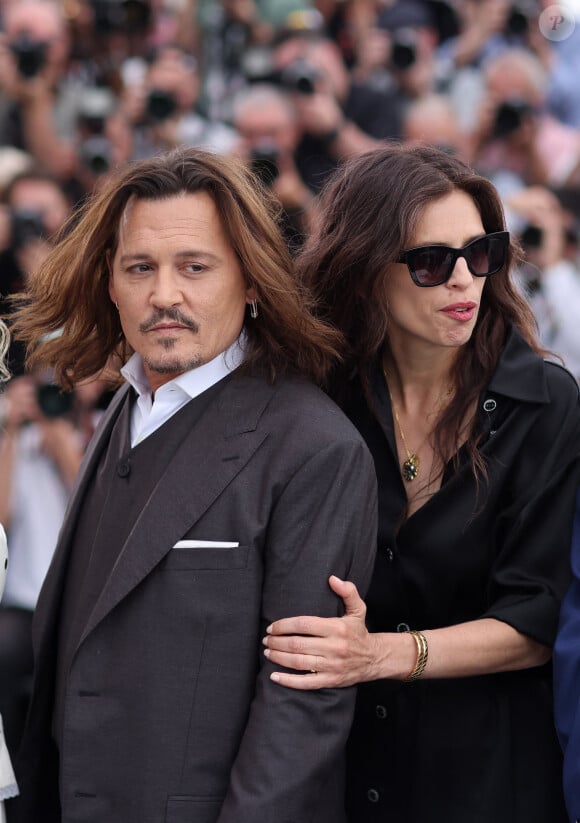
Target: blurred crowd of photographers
x=293, y=87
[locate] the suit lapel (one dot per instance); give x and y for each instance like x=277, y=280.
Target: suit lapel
x=218, y=448
x=49, y=599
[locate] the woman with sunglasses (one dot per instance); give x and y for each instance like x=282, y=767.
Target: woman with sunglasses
x=476, y=441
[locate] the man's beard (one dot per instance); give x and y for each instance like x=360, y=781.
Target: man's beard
x=178, y=364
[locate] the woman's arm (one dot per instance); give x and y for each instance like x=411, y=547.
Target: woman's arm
x=341, y=652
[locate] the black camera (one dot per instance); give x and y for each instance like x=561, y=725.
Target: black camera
x=121, y=15
x=299, y=76
x=518, y=20
x=531, y=237
x=95, y=154
x=403, y=49
x=26, y=225
x=53, y=401
x=160, y=105
x=264, y=162
x=95, y=107
x=30, y=55
x=509, y=116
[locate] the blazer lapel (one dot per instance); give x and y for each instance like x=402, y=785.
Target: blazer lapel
x=49, y=599
x=217, y=449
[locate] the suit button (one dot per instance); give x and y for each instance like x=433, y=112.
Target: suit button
x=373, y=795
x=390, y=555
x=403, y=627
x=381, y=712
x=124, y=468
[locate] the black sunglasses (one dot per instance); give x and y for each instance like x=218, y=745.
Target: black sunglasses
x=433, y=265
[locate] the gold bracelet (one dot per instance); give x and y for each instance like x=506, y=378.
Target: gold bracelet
x=422, y=655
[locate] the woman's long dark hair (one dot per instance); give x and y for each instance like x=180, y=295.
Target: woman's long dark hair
x=369, y=213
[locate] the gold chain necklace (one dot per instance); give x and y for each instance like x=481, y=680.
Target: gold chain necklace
x=410, y=466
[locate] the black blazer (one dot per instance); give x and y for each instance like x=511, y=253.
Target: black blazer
x=170, y=714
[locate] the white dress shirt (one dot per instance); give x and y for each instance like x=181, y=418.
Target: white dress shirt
x=149, y=413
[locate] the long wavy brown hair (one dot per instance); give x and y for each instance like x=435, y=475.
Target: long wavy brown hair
x=369, y=213
x=67, y=318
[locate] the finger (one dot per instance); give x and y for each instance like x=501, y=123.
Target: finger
x=295, y=644
x=304, y=625
x=353, y=603
x=298, y=662
x=304, y=682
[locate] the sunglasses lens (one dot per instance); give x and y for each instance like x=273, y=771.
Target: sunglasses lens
x=487, y=255
x=431, y=265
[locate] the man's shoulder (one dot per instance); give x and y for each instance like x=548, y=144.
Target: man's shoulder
x=307, y=410
x=293, y=402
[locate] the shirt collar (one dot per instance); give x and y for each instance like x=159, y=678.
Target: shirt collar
x=192, y=382
x=520, y=372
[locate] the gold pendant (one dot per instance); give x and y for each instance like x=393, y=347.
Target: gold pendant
x=410, y=467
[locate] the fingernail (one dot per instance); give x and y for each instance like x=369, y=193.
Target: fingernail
x=265, y=640
x=267, y=653
x=275, y=677
x=269, y=628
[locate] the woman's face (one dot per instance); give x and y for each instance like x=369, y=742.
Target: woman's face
x=445, y=315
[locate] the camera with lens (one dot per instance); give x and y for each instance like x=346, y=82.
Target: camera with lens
x=264, y=162
x=52, y=401
x=299, y=76
x=403, y=48
x=509, y=116
x=30, y=55
x=96, y=105
x=95, y=154
x=160, y=105
x=121, y=15
x=26, y=225
x=518, y=20
x=531, y=237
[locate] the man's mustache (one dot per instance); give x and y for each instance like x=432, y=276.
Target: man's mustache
x=174, y=315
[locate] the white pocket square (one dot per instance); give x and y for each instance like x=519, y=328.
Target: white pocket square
x=205, y=544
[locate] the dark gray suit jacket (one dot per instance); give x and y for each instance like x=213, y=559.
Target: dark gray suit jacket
x=170, y=714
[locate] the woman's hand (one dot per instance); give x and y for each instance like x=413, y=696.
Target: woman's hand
x=330, y=652
x=336, y=651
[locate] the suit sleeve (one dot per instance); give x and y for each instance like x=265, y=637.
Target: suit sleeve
x=289, y=765
x=567, y=678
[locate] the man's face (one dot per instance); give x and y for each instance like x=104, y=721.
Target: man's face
x=43, y=197
x=178, y=284
x=269, y=123
x=42, y=23
x=174, y=74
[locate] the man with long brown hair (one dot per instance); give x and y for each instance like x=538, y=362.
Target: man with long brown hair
x=219, y=490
